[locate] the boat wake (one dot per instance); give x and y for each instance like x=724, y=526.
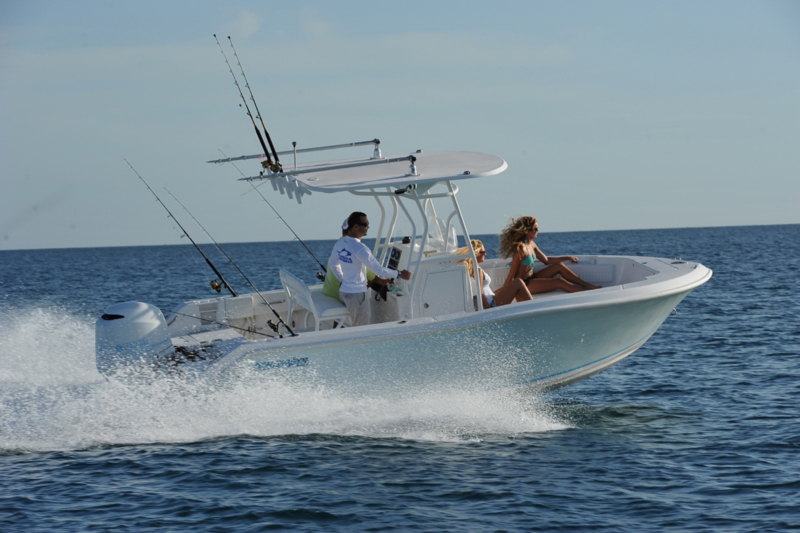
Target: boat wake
x=52, y=398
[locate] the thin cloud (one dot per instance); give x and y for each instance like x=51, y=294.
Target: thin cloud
x=246, y=25
x=321, y=55
x=414, y=50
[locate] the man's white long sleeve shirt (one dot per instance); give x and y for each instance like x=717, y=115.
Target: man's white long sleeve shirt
x=349, y=260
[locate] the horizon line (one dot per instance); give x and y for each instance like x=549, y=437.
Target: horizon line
x=368, y=238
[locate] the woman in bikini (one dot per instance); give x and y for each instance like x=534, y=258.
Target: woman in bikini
x=516, y=242
x=505, y=294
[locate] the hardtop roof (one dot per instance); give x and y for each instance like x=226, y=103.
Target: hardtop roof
x=368, y=173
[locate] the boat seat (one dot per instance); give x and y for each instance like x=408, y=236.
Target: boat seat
x=324, y=308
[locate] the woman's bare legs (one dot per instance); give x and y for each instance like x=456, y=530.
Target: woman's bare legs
x=542, y=285
x=516, y=289
x=556, y=269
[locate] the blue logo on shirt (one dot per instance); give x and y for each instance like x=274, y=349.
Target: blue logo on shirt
x=345, y=256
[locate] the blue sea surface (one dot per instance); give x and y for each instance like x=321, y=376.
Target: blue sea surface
x=699, y=430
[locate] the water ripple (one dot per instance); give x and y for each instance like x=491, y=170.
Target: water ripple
x=699, y=430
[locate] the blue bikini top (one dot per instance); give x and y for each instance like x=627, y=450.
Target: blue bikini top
x=528, y=261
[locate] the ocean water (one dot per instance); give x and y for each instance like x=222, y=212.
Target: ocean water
x=699, y=430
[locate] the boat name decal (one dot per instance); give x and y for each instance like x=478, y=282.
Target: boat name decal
x=266, y=365
x=133, y=344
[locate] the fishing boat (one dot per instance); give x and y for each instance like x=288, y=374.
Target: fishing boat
x=430, y=330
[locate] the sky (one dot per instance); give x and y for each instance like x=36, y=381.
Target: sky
x=611, y=115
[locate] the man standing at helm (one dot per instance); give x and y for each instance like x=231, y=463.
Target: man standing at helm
x=349, y=261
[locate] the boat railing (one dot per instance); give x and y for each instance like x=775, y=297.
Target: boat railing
x=355, y=164
x=376, y=153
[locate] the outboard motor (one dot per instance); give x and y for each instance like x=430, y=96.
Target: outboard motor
x=131, y=334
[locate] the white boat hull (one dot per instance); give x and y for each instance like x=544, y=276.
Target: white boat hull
x=549, y=342
x=532, y=346
x=534, y=352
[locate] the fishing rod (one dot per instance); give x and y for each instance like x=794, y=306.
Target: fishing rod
x=275, y=167
x=246, y=330
x=216, y=244
x=258, y=112
x=269, y=323
x=280, y=217
x=214, y=284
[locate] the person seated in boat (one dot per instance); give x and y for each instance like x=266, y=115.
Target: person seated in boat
x=349, y=261
x=505, y=294
x=330, y=287
x=516, y=241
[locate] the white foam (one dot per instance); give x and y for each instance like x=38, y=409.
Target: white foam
x=46, y=346
x=52, y=398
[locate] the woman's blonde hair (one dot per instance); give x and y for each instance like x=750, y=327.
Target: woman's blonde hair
x=515, y=234
x=477, y=245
